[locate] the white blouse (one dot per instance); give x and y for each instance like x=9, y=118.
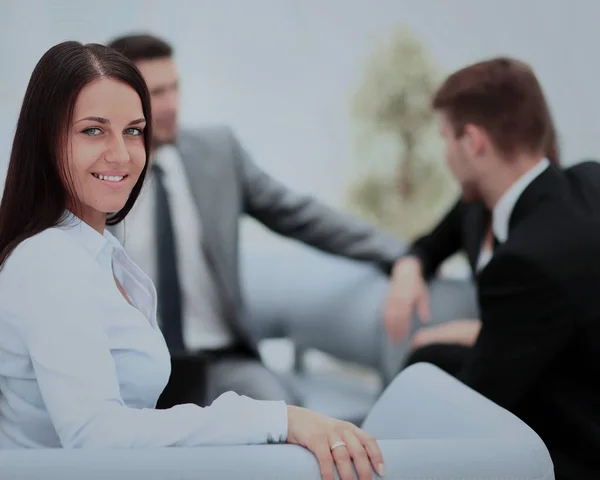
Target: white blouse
x=82, y=367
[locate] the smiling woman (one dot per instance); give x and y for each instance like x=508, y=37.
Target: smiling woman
x=86, y=110
x=106, y=151
x=82, y=358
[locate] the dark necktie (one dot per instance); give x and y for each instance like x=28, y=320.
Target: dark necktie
x=496, y=243
x=168, y=288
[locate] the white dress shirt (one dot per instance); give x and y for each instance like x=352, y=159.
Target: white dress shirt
x=202, y=322
x=485, y=255
x=503, y=210
x=80, y=366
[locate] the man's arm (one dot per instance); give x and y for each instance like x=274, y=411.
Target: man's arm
x=408, y=289
x=441, y=243
x=456, y=332
x=527, y=320
x=304, y=218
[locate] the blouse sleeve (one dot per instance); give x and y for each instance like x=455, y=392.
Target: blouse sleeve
x=54, y=305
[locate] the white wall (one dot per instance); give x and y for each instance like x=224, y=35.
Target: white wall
x=282, y=71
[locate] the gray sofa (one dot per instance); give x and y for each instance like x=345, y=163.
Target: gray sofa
x=334, y=305
x=430, y=426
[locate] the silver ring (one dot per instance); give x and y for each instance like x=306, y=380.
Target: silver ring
x=337, y=444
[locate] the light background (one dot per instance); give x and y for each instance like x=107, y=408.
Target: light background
x=282, y=72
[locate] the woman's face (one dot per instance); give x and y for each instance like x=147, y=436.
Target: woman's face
x=105, y=148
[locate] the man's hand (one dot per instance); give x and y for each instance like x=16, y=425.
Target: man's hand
x=459, y=332
x=407, y=293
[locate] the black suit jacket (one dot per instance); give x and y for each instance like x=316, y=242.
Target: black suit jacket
x=464, y=226
x=462, y=229
x=538, y=352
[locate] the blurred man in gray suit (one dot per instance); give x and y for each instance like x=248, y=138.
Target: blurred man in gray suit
x=184, y=234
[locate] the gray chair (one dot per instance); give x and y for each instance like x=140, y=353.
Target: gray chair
x=429, y=426
x=334, y=305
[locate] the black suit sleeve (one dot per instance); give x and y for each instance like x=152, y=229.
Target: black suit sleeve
x=526, y=319
x=305, y=219
x=442, y=242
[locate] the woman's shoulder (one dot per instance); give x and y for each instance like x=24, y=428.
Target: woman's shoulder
x=50, y=249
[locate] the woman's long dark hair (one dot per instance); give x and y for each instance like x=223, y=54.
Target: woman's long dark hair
x=37, y=191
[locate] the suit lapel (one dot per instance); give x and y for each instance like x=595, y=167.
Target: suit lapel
x=550, y=182
x=203, y=180
x=199, y=175
x=476, y=222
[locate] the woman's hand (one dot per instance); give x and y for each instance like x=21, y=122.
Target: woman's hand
x=335, y=441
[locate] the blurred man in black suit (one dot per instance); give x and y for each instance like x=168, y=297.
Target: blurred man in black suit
x=466, y=228
x=538, y=351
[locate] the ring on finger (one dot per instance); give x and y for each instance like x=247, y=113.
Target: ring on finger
x=337, y=444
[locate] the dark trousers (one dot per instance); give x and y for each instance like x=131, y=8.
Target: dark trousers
x=202, y=377
x=189, y=376
x=448, y=357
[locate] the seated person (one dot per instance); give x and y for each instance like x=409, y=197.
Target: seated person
x=537, y=353
x=447, y=345
x=82, y=360
x=183, y=233
x=465, y=228
x=429, y=343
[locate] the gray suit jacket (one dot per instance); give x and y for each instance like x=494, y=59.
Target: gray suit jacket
x=226, y=183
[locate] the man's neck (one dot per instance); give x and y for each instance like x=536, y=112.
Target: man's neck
x=499, y=181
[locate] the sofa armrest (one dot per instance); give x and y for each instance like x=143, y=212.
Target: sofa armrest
x=316, y=300
x=260, y=462
x=449, y=431
x=335, y=305
x=467, y=459
x=429, y=426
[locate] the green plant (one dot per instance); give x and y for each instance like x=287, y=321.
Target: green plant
x=402, y=183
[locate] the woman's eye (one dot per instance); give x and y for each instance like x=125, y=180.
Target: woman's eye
x=92, y=131
x=134, y=131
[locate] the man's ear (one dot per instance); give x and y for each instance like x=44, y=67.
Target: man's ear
x=475, y=139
